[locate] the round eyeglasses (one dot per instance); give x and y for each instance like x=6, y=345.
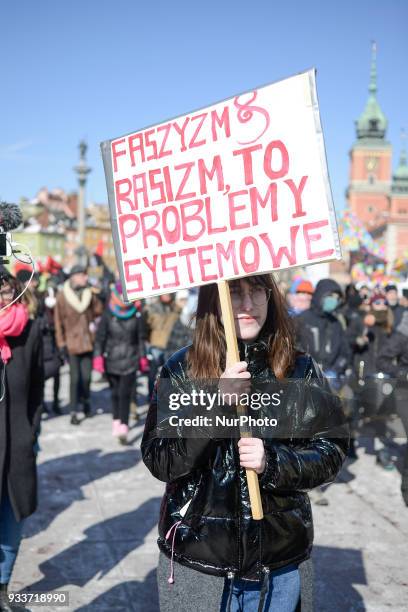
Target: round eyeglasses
x=259, y=295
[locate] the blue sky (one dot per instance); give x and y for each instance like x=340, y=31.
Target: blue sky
x=96, y=69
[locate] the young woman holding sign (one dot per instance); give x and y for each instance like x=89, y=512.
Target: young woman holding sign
x=222, y=559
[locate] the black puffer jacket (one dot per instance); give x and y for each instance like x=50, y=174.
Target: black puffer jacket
x=120, y=341
x=217, y=534
x=321, y=334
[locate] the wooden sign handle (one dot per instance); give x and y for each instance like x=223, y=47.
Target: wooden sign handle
x=233, y=357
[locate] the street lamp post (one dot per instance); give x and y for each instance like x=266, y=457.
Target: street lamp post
x=82, y=170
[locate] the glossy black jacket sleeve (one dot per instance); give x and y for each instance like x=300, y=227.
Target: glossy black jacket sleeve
x=305, y=464
x=302, y=469
x=170, y=458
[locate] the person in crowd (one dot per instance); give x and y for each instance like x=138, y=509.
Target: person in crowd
x=391, y=294
x=76, y=311
x=21, y=398
x=27, y=278
x=392, y=359
x=159, y=319
x=320, y=333
x=353, y=313
x=367, y=335
x=52, y=356
x=352, y=308
x=299, y=297
x=119, y=346
x=365, y=293
x=220, y=558
x=290, y=294
x=404, y=299
x=182, y=331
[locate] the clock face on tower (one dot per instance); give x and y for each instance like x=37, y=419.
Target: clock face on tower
x=371, y=163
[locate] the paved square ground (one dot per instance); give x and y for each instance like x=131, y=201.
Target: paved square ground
x=95, y=530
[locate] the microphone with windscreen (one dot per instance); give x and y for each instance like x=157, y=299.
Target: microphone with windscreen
x=10, y=219
x=10, y=216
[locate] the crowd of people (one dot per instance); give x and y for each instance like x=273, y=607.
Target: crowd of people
x=359, y=338
x=356, y=338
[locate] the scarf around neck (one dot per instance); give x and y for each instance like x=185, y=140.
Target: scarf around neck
x=12, y=323
x=119, y=308
x=78, y=303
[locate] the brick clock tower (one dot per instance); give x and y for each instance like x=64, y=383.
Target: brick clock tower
x=370, y=161
x=377, y=196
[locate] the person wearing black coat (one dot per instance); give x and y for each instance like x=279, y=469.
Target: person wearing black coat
x=21, y=401
x=367, y=334
x=367, y=331
x=391, y=293
x=392, y=359
x=218, y=553
x=321, y=334
x=119, y=345
x=52, y=356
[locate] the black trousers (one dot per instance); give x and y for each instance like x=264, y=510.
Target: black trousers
x=80, y=369
x=57, y=381
x=122, y=388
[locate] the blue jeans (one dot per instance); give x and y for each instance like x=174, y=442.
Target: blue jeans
x=283, y=594
x=10, y=538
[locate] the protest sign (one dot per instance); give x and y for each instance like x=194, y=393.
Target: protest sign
x=235, y=189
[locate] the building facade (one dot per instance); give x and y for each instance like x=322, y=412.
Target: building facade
x=41, y=244
x=50, y=228
x=375, y=195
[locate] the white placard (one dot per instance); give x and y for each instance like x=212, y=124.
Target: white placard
x=235, y=189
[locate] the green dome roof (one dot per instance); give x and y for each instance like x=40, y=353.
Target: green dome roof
x=372, y=123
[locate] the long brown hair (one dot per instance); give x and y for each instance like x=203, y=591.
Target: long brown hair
x=207, y=356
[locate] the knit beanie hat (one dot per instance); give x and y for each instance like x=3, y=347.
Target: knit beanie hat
x=377, y=296
x=305, y=286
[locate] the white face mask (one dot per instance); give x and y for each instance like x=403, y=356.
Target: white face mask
x=50, y=301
